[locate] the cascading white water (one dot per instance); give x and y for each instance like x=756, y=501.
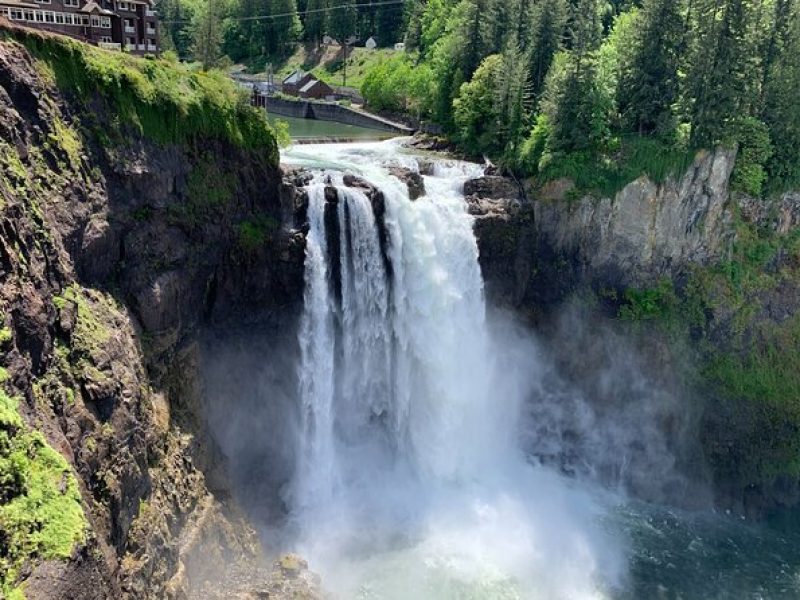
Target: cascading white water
x=411, y=483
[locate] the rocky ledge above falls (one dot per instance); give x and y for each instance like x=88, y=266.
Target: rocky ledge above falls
x=536, y=249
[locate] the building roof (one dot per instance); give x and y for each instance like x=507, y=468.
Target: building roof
x=18, y=4
x=294, y=78
x=93, y=6
x=312, y=84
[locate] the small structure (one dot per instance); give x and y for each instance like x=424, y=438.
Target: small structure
x=292, y=84
x=371, y=44
x=400, y=47
x=316, y=89
x=329, y=41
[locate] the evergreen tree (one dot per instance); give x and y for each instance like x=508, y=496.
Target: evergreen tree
x=547, y=32
x=315, y=23
x=724, y=76
x=782, y=108
x=513, y=98
x=342, y=20
x=648, y=87
x=206, y=33
x=579, y=109
x=284, y=28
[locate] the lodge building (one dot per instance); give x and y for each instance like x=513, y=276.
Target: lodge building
x=130, y=25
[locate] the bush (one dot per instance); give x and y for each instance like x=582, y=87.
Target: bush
x=398, y=85
x=755, y=150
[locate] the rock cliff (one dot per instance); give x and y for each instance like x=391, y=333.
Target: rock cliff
x=685, y=264
x=118, y=249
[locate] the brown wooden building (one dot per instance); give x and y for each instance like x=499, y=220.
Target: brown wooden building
x=292, y=84
x=131, y=25
x=315, y=89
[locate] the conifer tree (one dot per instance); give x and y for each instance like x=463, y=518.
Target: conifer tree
x=547, y=32
x=315, y=22
x=723, y=75
x=782, y=108
x=342, y=20
x=206, y=31
x=648, y=87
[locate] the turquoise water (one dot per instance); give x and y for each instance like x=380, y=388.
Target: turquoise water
x=678, y=555
x=310, y=128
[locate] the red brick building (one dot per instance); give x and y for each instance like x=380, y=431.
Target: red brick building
x=131, y=25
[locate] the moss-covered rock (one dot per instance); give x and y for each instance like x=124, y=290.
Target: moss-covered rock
x=40, y=505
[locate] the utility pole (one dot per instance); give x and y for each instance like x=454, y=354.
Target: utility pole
x=344, y=71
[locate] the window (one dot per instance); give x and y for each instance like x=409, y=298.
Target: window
x=59, y=18
x=43, y=1
x=105, y=22
x=72, y=3
x=95, y=21
x=131, y=41
x=49, y=17
x=29, y=16
x=122, y=6
x=38, y=16
x=17, y=15
x=105, y=39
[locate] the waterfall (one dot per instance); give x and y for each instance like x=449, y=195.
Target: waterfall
x=410, y=481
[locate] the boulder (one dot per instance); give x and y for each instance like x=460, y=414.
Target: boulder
x=413, y=180
x=492, y=187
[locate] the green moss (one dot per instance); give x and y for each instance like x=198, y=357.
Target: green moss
x=89, y=333
x=209, y=186
x=253, y=234
x=65, y=138
x=3, y=375
x=5, y=335
x=163, y=100
x=40, y=505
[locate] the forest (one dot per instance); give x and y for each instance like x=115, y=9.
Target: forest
x=592, y=90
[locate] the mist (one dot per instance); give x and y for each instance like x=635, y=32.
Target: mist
x=411, y=441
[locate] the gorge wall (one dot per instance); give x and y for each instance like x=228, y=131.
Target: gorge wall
x=705, y=281
x=117, y=250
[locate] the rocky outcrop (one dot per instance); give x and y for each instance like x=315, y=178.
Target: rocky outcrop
x=413, y=180
x=647, y=231
x=114, y=258
x=781, y=217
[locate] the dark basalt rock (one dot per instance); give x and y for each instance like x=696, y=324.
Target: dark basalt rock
x=492, y=187
x=413, y=180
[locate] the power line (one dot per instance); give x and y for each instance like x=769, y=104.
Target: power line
x=305, y=12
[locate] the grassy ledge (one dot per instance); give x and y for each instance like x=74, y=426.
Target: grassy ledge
x=161, y=99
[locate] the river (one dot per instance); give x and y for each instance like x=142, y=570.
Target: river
x=411, y=481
